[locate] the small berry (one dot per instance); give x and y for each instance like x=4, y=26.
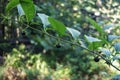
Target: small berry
x=23, y=33
x=96, y=59
x=58, y=45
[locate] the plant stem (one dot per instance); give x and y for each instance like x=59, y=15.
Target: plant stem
x=92, y=52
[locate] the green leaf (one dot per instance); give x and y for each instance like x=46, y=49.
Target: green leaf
x=27, y=1
x=28, y=8
x=95, y=45
x=57, y=25
x=95, y=24
x=11, y=5
x=75, y=34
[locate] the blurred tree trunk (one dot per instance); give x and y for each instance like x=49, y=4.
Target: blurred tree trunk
x=2, y=26
x=2, y=7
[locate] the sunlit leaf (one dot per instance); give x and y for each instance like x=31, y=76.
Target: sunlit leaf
x=105, y=51
x=57, y=25
x=75, y=33
x=44, y=19
x=20, y=10
x=112, y=37
x=107, y=28
x=116, y=57
x=92, y=39
x=117, y=46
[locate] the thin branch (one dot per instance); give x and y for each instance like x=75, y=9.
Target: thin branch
x=92, y=52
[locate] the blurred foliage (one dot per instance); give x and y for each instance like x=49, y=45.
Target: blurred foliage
x=40, y=59
x=23, y=65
